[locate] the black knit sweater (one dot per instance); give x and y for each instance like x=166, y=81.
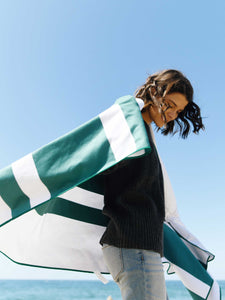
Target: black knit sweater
x=134, y=202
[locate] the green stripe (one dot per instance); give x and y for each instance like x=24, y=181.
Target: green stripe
x=95, y=184
x=135, y=121
x=74, y=158
x=12, y=194
x=210, y=255
x=178, y=253
x=75, y=211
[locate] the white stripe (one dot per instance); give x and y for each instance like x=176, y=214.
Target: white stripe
x=215, y=292
x=53, y=241
x=118, y=132
x=138, y=153
x=192, y=283
x=27, y=177
x=5, y=211
x=84, y=197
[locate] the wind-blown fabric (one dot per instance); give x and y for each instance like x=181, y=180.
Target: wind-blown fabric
x=51, y=201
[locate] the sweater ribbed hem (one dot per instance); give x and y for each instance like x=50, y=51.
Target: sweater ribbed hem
x=146, y=237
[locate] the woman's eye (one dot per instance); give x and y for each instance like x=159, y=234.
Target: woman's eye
x=168, y=105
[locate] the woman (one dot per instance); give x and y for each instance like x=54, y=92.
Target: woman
x=134, y=195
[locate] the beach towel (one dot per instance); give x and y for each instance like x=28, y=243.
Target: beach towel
x=51, y=202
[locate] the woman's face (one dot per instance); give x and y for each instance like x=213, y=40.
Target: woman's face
x=171, y=106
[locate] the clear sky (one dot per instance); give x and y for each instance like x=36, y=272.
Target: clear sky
x=63, y=62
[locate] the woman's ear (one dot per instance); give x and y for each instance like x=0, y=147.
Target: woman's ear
x=146, y=105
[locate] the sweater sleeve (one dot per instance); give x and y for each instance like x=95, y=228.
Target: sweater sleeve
x=116, y=167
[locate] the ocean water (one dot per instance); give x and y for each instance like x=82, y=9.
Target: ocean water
x=79, y=290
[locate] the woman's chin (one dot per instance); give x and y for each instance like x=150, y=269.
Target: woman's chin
x=159, y=123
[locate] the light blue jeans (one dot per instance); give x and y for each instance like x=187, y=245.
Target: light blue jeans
x=138, y=273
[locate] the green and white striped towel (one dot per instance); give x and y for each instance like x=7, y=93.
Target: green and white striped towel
x=51, y=201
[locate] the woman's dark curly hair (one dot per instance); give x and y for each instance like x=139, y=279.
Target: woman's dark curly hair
x=160, y=84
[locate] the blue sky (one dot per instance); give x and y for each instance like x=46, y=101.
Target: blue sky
x=63, y=62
